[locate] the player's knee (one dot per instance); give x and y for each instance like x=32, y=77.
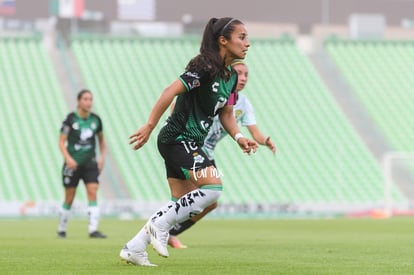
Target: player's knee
x=200, y=199
x=211, y=196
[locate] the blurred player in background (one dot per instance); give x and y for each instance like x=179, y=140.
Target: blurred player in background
x=205, y=89
x=244, y=114
x=77, y=143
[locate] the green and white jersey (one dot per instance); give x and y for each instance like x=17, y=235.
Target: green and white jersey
x=81, y=136
x=195, y=110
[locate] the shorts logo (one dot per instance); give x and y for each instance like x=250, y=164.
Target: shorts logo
x=67, y=171
x=66, y=180
x=198, y=158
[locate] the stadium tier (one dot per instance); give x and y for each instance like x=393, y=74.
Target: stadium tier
x=127, y=76
x=320, y=158
x=380, y=74
x=32, y=109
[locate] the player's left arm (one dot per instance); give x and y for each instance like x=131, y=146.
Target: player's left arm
x=102, y=150
x=260, y=138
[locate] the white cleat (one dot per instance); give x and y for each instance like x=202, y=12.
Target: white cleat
x=135, y=258
x=159, y=239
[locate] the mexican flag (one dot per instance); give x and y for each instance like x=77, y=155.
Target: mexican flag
x=67, y=8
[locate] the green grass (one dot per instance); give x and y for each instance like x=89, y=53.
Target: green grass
x=334, y=246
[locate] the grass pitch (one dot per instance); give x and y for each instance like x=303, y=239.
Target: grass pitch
x=335, y=246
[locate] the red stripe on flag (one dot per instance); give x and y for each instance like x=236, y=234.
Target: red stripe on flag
x=79, y=7
x=7, y=7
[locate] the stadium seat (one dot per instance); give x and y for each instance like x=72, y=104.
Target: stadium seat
x=320, y=157
x=378, y=72
x=32, y=111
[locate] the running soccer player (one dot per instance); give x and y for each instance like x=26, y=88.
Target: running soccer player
x=77, y=143
x=244, y=114
x=205, y=89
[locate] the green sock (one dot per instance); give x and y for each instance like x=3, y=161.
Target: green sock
x=92, y=203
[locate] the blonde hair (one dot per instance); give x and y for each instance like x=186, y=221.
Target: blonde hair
x=237, y=62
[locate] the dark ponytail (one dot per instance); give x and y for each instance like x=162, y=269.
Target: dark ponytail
x=209, y=59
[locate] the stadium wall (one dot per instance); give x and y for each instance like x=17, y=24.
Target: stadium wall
x=305, y=14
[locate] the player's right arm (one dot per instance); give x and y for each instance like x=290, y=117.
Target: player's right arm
x=70, y=162
x=140, y=137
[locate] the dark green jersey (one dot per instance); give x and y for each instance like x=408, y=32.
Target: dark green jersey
x=195, y=109
x=81, y=136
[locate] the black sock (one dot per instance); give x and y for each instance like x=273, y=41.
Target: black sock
x=181, y=227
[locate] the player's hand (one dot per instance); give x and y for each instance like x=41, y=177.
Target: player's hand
x=140, y=137
x=71, y=164
x=247, y=145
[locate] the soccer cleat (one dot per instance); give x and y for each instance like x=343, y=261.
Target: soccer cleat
x=61, y=234
x=135, y=258
x=159, y=238
x=174, y=242
x=97, y=235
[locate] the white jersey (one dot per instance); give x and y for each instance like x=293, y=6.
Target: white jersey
x=244, y=114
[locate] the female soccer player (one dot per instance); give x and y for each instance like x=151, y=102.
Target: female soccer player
x=244, y=113
x=205, y=89
x=77, y=144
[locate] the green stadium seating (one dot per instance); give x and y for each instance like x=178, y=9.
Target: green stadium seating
x=32, y=111
x=320, y=157
x=380, y=74
x=127, y=76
